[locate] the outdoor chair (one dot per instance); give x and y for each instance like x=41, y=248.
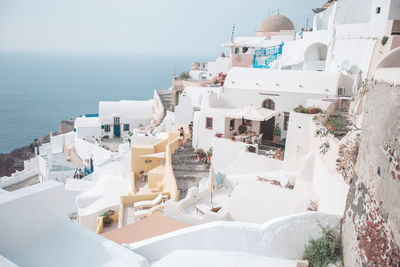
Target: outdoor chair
x=147, y=203
x=140, y=214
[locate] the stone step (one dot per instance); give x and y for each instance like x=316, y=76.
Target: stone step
x=191, y=173
x=190, y=167
x=185, y=161
x=188, y=182
x=182, y=152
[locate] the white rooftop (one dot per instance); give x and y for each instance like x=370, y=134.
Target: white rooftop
x=87, y=122
x=126, y=108
x=38, y=233
x=283, y=80
x=256, y=42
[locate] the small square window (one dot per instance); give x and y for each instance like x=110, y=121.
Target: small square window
x=209, y=123
x=116, y=120
x=232, y=125
x=126, y=127
x=378, y=10
x=107, y=127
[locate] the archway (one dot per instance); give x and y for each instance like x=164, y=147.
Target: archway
x=316, y=51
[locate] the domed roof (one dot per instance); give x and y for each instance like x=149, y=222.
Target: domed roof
x=276, y=23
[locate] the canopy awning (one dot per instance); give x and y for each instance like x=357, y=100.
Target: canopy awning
x=252, y=113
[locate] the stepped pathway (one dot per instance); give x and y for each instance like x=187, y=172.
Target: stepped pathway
x=166, y=97
x=188, y=171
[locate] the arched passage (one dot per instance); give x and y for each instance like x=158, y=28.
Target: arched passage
x=316, y=51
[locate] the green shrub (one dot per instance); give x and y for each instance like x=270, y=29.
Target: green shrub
x=322, y=251
x=277, y=130
x=310, y=110
x=242, y=129
x=384, y=40
x=184, y=76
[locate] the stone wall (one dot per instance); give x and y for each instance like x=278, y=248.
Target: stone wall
x=371, y=225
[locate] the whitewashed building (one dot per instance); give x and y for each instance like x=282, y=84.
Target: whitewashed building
x=118, y=118
x=115, y=119
x=276, y=90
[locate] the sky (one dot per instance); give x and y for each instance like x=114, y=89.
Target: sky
x=165, y=27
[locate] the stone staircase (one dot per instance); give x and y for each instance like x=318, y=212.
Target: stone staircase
x=188, y=171
x=166, y=98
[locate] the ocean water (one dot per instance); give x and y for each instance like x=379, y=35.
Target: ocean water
x=37, y=91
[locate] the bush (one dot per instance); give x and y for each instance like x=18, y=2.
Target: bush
x=384, y=40
x=310, y=110
x=322, y=251
x=242, y=129
x=277, y=130
x=184, y=76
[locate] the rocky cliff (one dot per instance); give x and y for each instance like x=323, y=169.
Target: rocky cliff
x=371, y=225
x=13, y=161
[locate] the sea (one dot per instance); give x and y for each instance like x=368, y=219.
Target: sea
x=38, y=90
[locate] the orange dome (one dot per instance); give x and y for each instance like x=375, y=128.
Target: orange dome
x=275, y=23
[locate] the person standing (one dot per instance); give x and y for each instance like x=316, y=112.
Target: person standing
x=191, y=128
x=181, y=135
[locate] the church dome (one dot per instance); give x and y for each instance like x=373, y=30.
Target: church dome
x=275, y=23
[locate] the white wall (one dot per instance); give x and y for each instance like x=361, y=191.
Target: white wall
x=221, y=64
x=250, y=163
x=184, y=111
x=59, y=141
x=29, y=214
x=37, y=232
x=330, y=188
x=225, y=151
x=283, y=237
x=86, y=150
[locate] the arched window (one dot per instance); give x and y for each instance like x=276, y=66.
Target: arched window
x=236, y=50
x=269, y=104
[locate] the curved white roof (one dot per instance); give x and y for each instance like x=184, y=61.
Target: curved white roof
x=126, y=109
x=283, y=80
x=87, y=122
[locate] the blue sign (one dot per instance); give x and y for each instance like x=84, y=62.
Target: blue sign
x=264, y=57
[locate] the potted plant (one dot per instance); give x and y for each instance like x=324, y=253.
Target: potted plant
x=219, y=135
x=277, y=133
x=233, y=138
x=242, y=129
x=209, y=154
x=200, y=154
x=107, y=220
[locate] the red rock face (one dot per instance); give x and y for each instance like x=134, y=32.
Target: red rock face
x=375, y=240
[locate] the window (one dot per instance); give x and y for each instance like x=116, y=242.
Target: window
x=126, y=127
x=237, y=50
x=341, y=91
x=244, y=50
x=269, y=104
x=116, y=120
x=286, y=121
x=378, y=10
x=107, y=127
x=209, y=123
x=232, y=125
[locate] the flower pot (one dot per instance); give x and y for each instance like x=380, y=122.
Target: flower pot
x=275, y=139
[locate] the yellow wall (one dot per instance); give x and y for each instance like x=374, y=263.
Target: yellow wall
x=160, y=146
x=168, y=182
x=155, y=179
x=138, y=161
